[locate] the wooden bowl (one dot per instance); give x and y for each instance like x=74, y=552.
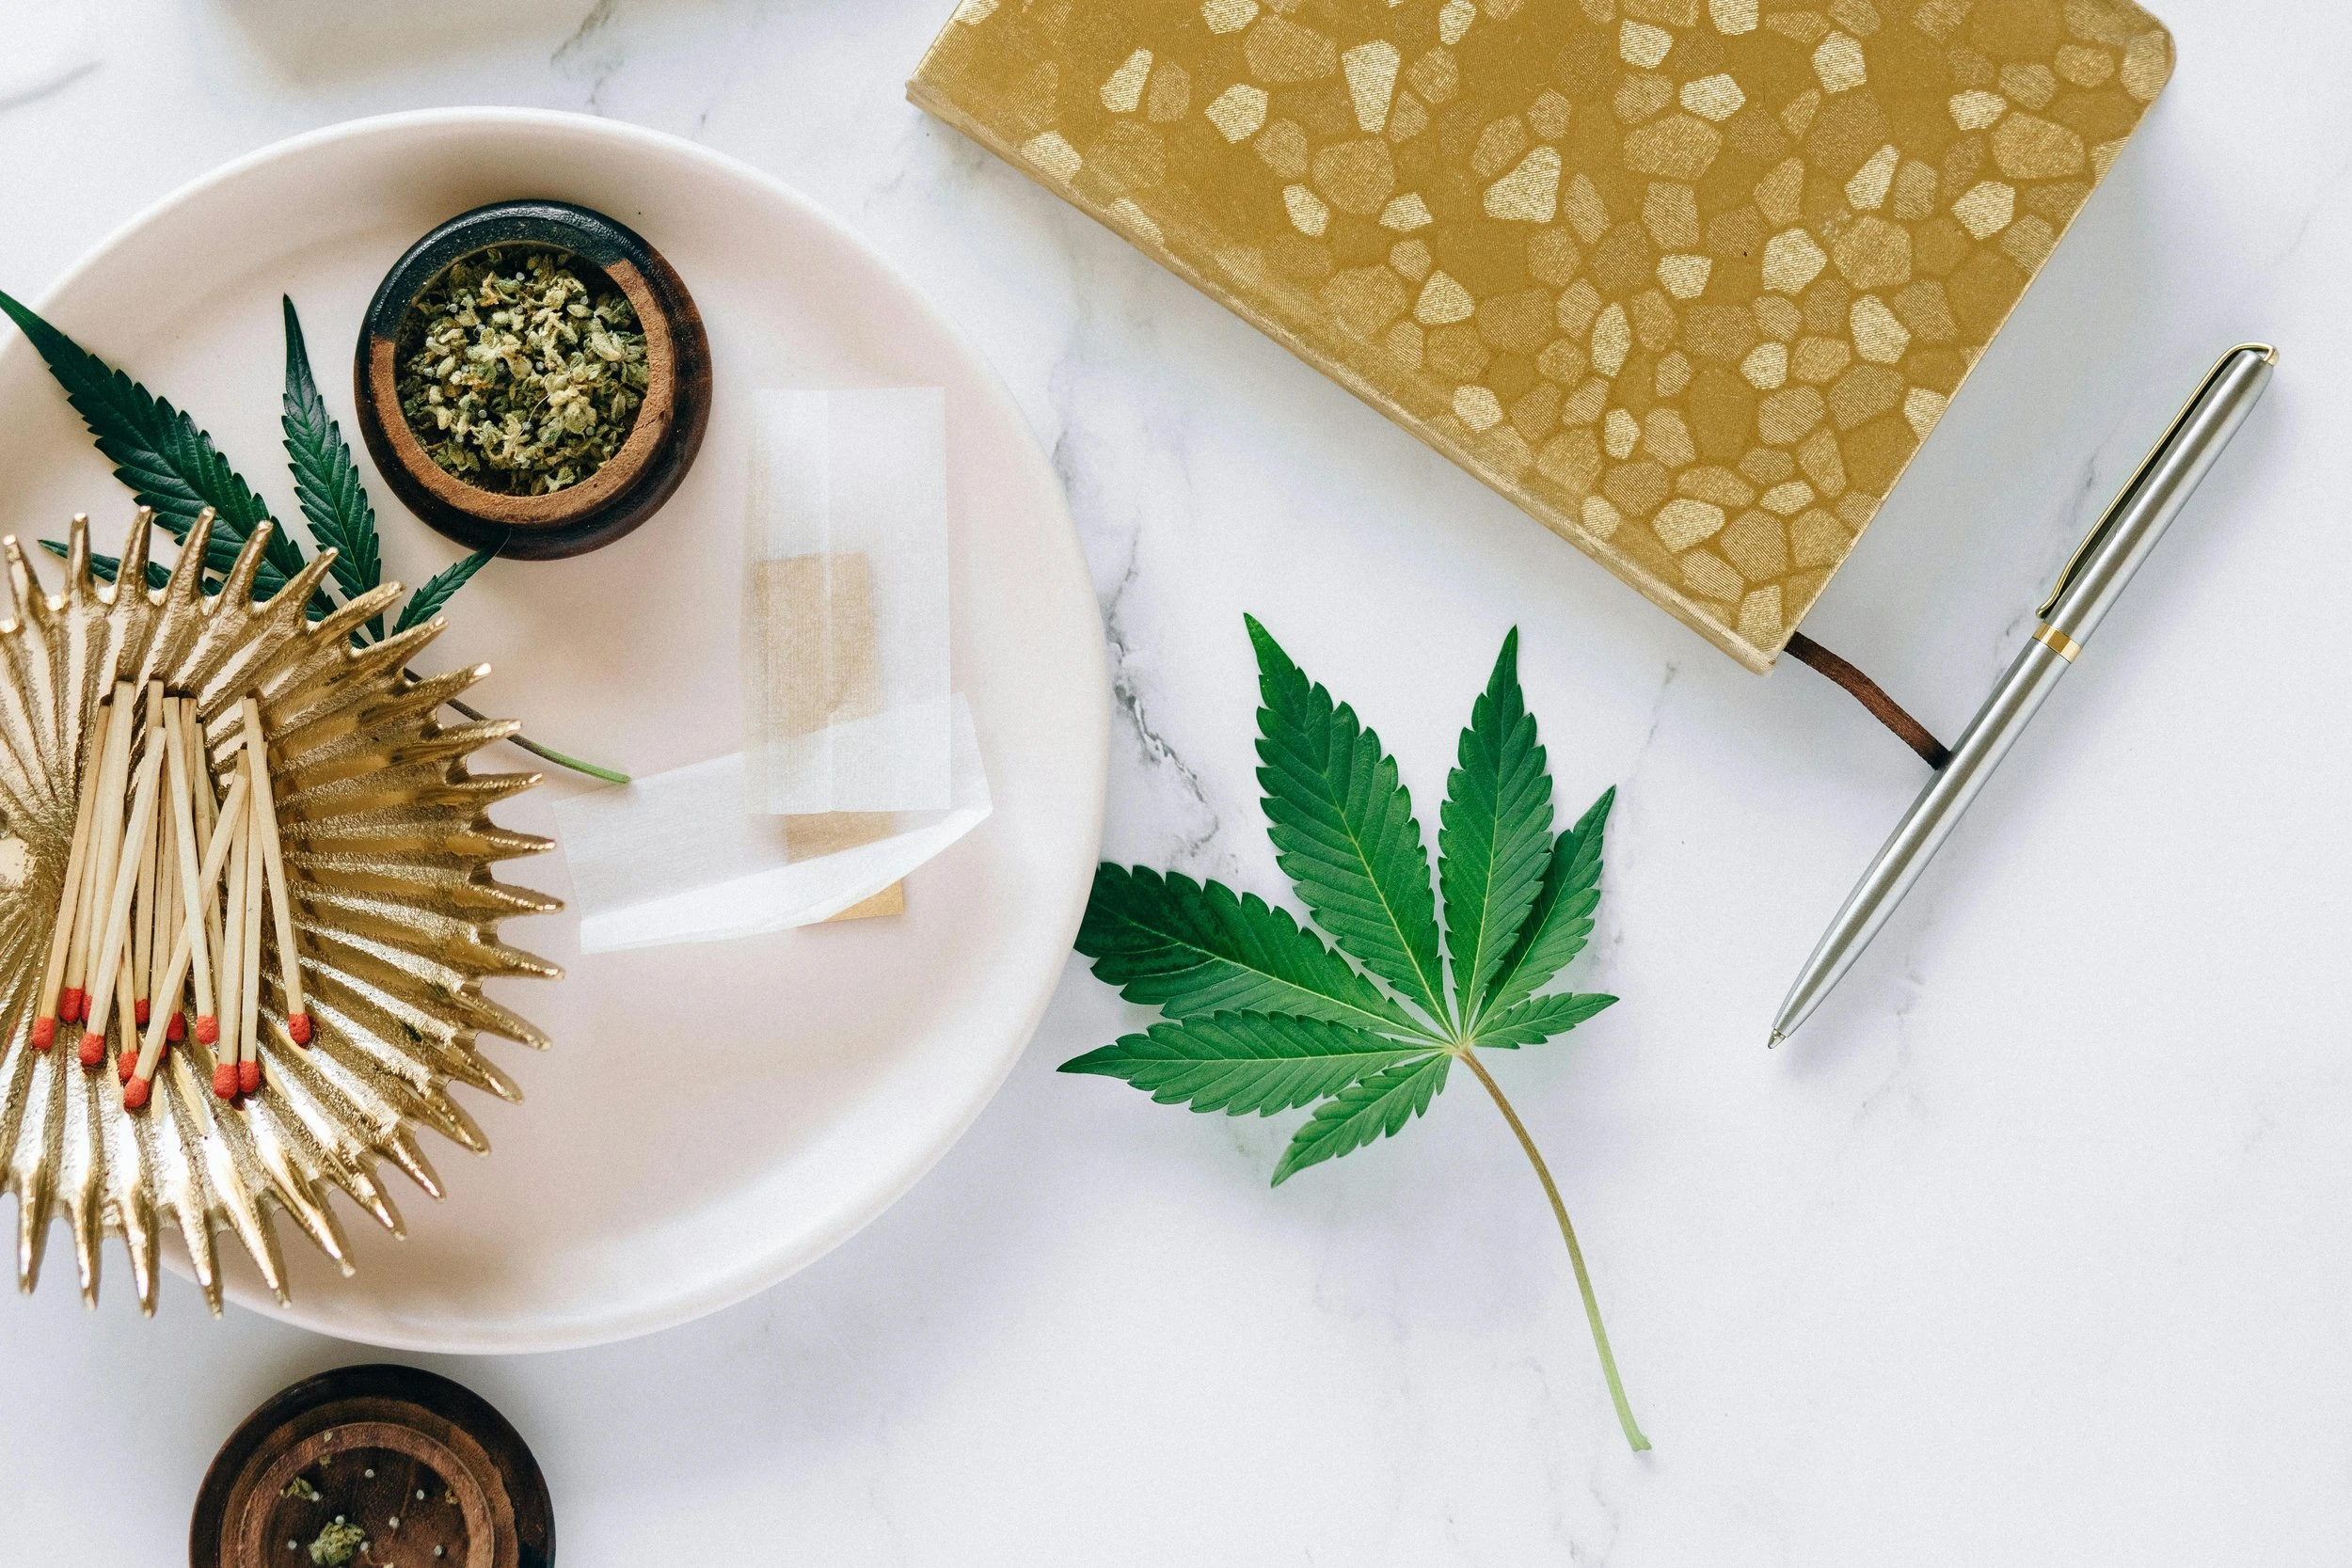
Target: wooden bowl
x=631, y=484
x=368, y=1440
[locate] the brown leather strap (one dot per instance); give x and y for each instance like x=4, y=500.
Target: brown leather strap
x=1870, y=695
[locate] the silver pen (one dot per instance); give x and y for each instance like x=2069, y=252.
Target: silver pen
x=2086, y=591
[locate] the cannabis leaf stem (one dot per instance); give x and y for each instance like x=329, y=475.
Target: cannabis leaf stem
x=1262, y=1016
x=1576, y=1253
x=544, y=753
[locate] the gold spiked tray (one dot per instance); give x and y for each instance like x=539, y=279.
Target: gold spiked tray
x=388, y=847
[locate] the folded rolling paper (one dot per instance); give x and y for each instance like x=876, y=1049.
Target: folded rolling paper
x=858, y=764
x=676, y=857
x=845, y=605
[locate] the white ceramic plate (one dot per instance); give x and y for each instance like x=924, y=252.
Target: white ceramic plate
x=712, y=1117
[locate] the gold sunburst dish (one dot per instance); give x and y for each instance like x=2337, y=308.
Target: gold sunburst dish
x=388, y=848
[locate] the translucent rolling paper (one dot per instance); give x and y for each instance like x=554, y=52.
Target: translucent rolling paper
x=845, y=604
x=678, y=858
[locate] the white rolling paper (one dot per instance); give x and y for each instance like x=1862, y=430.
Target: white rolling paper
x=680, y=857
x=846, y=603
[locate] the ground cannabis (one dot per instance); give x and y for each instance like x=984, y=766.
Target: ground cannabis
x=337, y=1544
x=522, y=370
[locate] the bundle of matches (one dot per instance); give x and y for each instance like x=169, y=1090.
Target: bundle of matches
x=200, y=853
x=142, y=913
x=257, y=877
x=76, y=941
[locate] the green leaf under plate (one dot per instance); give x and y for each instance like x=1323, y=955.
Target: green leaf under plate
x=326, y=481
x=104, y=567
x=1242, y=1062
x=157, y=450
x=1344, y=829
x=426, y=601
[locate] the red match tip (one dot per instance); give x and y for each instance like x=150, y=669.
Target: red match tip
x=134, y=1094
x=139, y=1011
x=177, y=1030
x=44, y=1033
x=249, y=1077
x=207, y=1029
x=126, y=1065
x=69, y=1005
x=300, y=1027
x=225, y=1081
x=93, y=1049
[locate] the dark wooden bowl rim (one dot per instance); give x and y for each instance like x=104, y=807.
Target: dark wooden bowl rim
x=663, y=440
x=452, y=1431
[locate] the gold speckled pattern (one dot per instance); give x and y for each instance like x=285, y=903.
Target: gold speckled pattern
x=1689, y=280
x=388, y=845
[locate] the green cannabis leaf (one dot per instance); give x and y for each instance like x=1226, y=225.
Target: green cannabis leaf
x=172, y=467
x=168, y=463
x=326, y=481
x=103, y=567
x=1263, y=1016
x=1344, y=829
x=426, y=601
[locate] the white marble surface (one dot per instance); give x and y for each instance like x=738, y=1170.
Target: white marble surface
x=2034, y=1248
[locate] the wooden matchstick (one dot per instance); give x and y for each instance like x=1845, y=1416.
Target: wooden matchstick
x=199, y=889
x=73, y=1000
x=69, y=897
x=142, y=940
x=158, y=896
x=106, y=833
x=250, y=964
x=106, y=967
x=168, y=897
x=166, y=922
x=123, y=1015
x=105, y=825
x=229, y=988
x=273, y=857
x=207, y=806
x=199, y=886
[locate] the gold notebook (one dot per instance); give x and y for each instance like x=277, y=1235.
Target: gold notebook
x=1687, y=280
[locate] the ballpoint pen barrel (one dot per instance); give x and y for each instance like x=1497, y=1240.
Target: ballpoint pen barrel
x=1933, y=815
x=2116, y=549
x=2087, y=590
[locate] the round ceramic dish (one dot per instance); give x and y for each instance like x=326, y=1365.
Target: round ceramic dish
x=666, y=1162
x=632, y=485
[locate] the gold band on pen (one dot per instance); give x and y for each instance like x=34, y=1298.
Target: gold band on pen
x=2056, y=641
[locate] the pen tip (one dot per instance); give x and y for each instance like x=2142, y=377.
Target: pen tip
x=1774, y=1044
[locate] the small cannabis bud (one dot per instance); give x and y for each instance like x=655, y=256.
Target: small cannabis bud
x=517, y=375
x=1262, y=1016
x=337, y=1544
x=300, y=1487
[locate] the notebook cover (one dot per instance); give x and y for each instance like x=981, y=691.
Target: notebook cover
x=1687, y=280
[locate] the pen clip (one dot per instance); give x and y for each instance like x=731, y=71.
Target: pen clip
x=2155, y=454
x=2082, y=551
